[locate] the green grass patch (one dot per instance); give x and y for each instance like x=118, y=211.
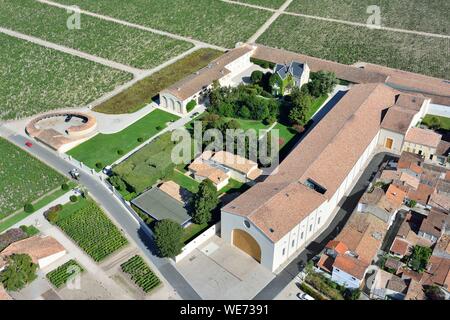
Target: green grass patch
x=141, y=93
x=392, y=12
x=192, y=231
x=317, y=103
x=103, y=148
x=186, y=182
x=37, y=79
x=233, y=186
x=63, y=273
x=24, y=179
x=141, y=273
x=106, y=39
x=214, y=21
x=30, y=230
x=350, y=44
x=444, y=123
x=273, y=4
x=286, y=134
x=92, y=230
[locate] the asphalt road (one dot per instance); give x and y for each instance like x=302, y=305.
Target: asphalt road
x=347, y=205
x=128, y=224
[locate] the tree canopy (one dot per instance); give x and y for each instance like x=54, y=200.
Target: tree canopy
x=168, y=238
x=20, y=271
x=204, y=202
x=322, y=83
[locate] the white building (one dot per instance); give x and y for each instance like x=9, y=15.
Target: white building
x=194, y=88
x=275, y=218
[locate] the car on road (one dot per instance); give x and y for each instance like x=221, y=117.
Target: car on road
x=107, y=170
x=28, y=144
x=304, y=296
x=195, y=115
x=75, y=174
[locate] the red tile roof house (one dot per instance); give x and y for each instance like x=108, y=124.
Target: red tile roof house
x=42, y=250
x=280, y=215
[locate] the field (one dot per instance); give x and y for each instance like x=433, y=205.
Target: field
x=186, y=182
x=36, y=79
x=103, y=148
x=428, y=16
x=141, y=273
x=60, y=275
x=350, y=44
x=130, y=46
x=211, y=21
x=141, y=93
x=23, y=178
x=91, y=229
x=144, y=168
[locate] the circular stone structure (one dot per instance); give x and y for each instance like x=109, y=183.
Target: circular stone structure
x=62, y=131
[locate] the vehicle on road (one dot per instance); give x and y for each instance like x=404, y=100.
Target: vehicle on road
x=195, y=115
x=28, y=144
x=75, y=174
x=107, y=170
x=304, y=296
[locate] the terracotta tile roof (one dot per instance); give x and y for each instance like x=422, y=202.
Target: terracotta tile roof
x=410, y=161
x=442, y=246
x=234, y=162
x=205, y=170
x=214, y=71
x=410, y=180
x=373, y=197
x=398, y=119
x=421, y=194
x=397, y=284
x=363, y=234
x=443, y=149
x=440, y=201
x=392, y=263
x=175, y=191
x=400, y=247
x=447, y=175
x=3, y=294
x=337, y=246
x=423, y=137
x=389, y=175
x=326, y=263
x=36, y=247
x=415, y=291
x=433, y=224
x=438, y=272
x=396, y=195
x=409, y=101
x=350, y=265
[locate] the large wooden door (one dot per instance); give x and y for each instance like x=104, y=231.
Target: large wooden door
x=244, y=241
x=389, y=143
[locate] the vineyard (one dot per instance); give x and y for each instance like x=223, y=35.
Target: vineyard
x=140, y=273
x=91, y=229
x=63, y=273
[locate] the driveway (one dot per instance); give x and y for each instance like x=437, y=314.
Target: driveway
x=218, y=271
x=347, y=206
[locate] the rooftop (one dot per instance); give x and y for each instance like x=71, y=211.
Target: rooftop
x=423, y=137
x=37, y=247
x=350, y=265
x=400, y=247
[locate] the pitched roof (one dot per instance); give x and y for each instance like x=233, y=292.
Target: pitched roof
x=395, y=194
x=434, y=223
x=294, y=69
x=345, y=132
x=412, y=161
x=415, y=291
x=214, y=71
x=350, y=265
x=400, y=247
x=397, y=284
x=326, y=263
x=438, y=272
x=175, y=191
x=393, y=263
x=205, y=170
x=37, y=247
x=423, y=137
x=337, y=246
x=235, y=162
x=398, y=119
x=440, y=201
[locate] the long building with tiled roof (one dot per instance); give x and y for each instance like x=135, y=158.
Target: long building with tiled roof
x=289, y=209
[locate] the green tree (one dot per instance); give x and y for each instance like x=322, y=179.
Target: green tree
x=168, y=238
x=434, y=123
x=418, y=260
x=257, y=76
x=434, y=293
x=204, y=202
x=118, y=183
x=20, y=271
x=322, y=83
x=300, y=107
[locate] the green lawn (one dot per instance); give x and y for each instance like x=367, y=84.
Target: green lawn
x=233, y=186
x=35, y=79
x=350, y=44
x=71, y=207
x=317, y=103
x=104, y=148
x=273, y=4
x=113, y=41
x=186, y=182
x=141, y=93
x=250, y=124
x=212, y=21
x=392, y=12
x=23, y=179
x=444, y=123
x=193, y=231
x=286, y=134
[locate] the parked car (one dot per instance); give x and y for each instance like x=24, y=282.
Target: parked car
x=28, y=144
x=195, y=115
x=304, y=296
x=74, y=174
x=107, y=170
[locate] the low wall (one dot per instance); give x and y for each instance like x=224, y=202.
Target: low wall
x=439, y=110
x=199, y=240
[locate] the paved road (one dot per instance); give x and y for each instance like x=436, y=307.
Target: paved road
x=347, y=205
x=102, y=195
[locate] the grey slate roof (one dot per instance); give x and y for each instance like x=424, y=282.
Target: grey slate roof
x=294, y=68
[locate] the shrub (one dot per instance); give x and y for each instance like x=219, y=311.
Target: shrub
x=418, y=260
x=140, y=139
x=321, y=284
x=120, y=152
x=205, y=201
x=11, y=236
x=159, y=128
x=306, y=289
x=99, y=165
x=65, y=187
x=257, y=76
x=73, y=198
x=52, y=217
x=29, y=230
x=28, y=208
x=269, y=120
x=168, y=238
x=118, y=183
x=20, y=271
x=191, y=105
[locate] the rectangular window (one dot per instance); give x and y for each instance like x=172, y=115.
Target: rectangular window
x=310, y=228
x=293, y=243
x=301, y=236
x=318, y=220
x=284, y=251
x=431, y=157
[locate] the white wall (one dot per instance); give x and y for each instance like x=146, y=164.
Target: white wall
x=50, y=259
x=397, y=137
x=199, y=240
x=439, y=110
x=345, y=279
x=172, y=103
